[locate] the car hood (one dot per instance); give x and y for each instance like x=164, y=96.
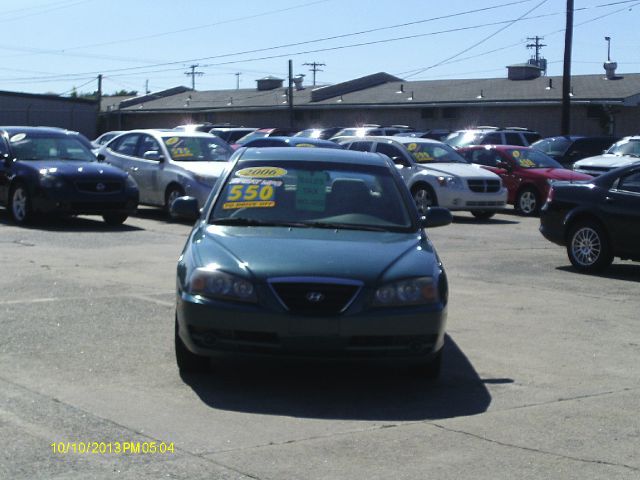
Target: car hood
x=207, y=169
x=74, y=168
x=559, y=174
x=459, y=170
x=267, y=252
x=606, y=160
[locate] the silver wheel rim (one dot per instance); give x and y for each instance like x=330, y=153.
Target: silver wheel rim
x=19, y=204
x=527, y=202
x=586, y=246
x=423, y=200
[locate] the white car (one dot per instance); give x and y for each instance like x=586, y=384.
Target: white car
x=437, y=175
x=620, y=154
x=168, y=164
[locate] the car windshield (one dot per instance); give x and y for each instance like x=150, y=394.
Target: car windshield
x=54, y=147
x=197, y=149
x=626, y=147
x=312, y=195
x=553, y=146
x=424, y=152
x=464, y=138
x=530, y=158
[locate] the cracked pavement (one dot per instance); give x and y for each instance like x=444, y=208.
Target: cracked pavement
x=540, y=380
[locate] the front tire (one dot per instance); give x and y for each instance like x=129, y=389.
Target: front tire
x=114, y=219
x=588, y=248
x=20, y=204
x=424, y=197
x=528, y=202
x=188, y=362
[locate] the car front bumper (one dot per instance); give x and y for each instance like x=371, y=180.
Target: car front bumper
x=213, y=328
x=552, y=224
x=468, y=200
x=67, y=201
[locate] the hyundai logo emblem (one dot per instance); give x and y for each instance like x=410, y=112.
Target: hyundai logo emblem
x=314, y=297
x=100, y=187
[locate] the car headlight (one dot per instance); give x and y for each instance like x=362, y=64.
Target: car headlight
x=451, y=182
x=216, y=284
x=48, y=180
x=414, y=291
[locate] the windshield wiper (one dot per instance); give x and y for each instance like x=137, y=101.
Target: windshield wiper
x=345, y=226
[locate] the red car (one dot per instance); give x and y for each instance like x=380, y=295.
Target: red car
x=526, y=172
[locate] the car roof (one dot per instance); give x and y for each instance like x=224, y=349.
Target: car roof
x=399, y=139
x=12, y=130
x=295, y=140
x=327, y=155
x=173, y=133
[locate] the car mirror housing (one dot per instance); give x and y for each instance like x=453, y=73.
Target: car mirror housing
x=185, y=207
x=436, y=217
x=153, y=155
x=504, y=165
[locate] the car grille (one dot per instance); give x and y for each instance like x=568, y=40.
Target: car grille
x=97, y=186
x=315, y=297
x=90, y=207
x=484, y=186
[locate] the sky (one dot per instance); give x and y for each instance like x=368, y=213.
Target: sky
x=61, y=46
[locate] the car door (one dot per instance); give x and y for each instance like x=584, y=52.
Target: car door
x=622, y=210
x=5, y=172
x=147, y=169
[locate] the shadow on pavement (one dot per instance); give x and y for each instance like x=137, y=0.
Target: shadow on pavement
x=492, y=220
x=62, y=223
x=617, y=271
x=336, y=391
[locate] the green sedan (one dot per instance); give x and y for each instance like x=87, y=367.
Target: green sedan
x=310, y=253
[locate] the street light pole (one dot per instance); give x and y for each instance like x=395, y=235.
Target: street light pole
x=565, y=127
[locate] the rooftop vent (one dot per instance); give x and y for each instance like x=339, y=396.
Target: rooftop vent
x=297, y=81
x=269, y=83
x=610, y=69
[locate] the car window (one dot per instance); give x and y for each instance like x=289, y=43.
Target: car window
x=491, y=139
x=485, y=157
x=626, y=147
x=148, y=144
x=360, y=146
x=553, y=146
x=531, y=137
x=126, y=144
x=423, y=152
x=630, y=183
x=313, y=194
x=513, y=139
x=197, y=149
x=390, y=151
x=532, y=158
x=49, y=147
x=265, y=142
x=3, y=147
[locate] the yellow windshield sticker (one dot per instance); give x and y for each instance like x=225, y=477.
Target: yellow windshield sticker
x=181, y=152
x=423, y=157
x=526, y=163
x=17, y=137
x=249, y=195
x=261, y=172
x=305, y=145
x=515, y=154
x=172, y=140
x=412, y=146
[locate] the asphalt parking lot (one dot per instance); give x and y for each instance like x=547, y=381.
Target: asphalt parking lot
x=541, y=376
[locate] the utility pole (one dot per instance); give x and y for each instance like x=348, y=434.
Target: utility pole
x=99, y=90
x=290, y=95
x=146, y=87
x=237, y=74
x=537, y=45
x=565, y=127
x=314, y=68
x=193, y=74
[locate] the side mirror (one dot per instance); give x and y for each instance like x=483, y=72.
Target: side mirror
x=185, y=207
x=504, y=165
x=101, y=157
x=436, y=217
x=153, y=155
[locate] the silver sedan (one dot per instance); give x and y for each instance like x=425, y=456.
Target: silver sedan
x=168, y=164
